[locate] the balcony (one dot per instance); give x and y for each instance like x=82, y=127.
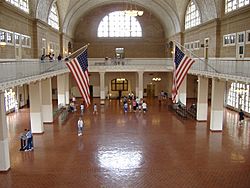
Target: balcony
x=15, y=73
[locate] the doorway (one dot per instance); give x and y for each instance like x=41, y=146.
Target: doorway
x=150, y=90
x=206, y=42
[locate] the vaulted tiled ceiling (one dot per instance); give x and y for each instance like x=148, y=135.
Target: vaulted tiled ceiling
x=171, y=13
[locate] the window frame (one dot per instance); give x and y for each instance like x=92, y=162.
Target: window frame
x=237, y=98
x=53, y=17
x=230, y=43
x=20, y=5
x=248, y=37
x=192, y=17
x=27, y=41
x=128, y=27
x=116, y=86
x=235, y=5
x=241, y=37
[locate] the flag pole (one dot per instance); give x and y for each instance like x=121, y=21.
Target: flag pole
x=196, y=56
x=77, y=51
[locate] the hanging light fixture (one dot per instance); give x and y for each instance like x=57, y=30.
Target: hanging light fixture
x=131, y=9
x=156, y=79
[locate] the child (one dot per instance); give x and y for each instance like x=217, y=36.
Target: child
x=95, y=109
x=80, y=126
x=126, y=107
x=82, y=108
x=144, y=107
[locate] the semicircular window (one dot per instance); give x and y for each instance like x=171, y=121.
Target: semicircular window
x=118, y=24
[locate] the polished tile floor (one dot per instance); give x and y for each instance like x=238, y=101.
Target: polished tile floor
x=133, y=150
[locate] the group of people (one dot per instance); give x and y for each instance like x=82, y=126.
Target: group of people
x=26, y=139
x=50, y=57
x=136, y=103
x=128, y=102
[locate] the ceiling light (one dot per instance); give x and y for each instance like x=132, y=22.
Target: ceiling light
x=131, y=10
x=2, y=43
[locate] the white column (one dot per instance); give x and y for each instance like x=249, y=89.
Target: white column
x=47, y=107
x=4, y=143
x=216, y=121
x=102, y=86
x=67, y=88
x=202, y=99
x=183, y=91
x=140, y=84
x=61, y=89
x=136, y=85
x=36, y=119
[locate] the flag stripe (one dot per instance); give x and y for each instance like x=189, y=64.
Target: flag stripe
x=182, y=64
x=184, y=73
x=82, y=77
x=79, y=68
x=79, y=78
x=76, y=78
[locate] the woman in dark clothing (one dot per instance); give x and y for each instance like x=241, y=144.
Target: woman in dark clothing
x=241, y=117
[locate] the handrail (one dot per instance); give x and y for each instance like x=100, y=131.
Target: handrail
x=238, y=70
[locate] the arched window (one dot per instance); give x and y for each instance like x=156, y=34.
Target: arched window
x=118, y=24
x=192, y=17
x=53, y=19
x=231, y=5
x=22, y=4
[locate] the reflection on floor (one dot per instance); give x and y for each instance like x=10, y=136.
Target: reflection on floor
x=156, y=149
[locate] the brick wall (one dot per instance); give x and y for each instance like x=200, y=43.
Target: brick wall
x=152, y=44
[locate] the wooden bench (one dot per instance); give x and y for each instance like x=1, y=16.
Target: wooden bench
x=192, y=111
x=181, y=110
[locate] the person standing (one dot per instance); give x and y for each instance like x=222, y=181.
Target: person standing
x=29, y=145
x=59, y=58
x=144, y=107
x=241, y=117
x=125, y=107
x=80, y=126
x=95, y=109
x=23, y=140
x=82, y=108
x=134, y=105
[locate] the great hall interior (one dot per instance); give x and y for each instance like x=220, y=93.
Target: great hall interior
x=197, y=142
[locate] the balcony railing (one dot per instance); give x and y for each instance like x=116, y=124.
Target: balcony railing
x=223, y=68
x=22, y=69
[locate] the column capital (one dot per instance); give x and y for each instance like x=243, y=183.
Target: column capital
x=102, y=72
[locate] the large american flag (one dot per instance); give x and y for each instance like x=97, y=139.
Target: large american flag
x=79, y=68
x=182, y=64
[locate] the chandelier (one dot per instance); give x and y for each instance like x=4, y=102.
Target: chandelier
x=131, y=10
x=156, y=79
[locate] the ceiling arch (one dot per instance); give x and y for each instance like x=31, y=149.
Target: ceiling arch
x=168, y=18
x=42, y=9
x=171, y=13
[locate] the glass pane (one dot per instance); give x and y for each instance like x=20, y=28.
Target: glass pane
x=117, y=24
x=53, y=19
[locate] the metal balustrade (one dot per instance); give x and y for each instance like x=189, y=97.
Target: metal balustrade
x=18, y=69
x=27, y=71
